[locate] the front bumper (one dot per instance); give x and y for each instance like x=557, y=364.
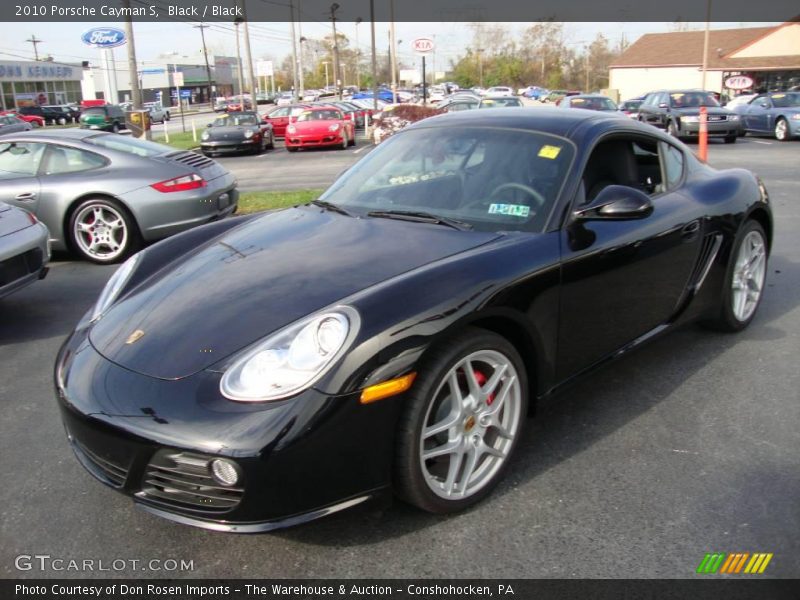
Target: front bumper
x=299, y=459
x=27, y=261
x=225, y=146
x=313, y=141
x=715, y=128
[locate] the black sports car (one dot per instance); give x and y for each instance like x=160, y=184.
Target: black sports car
x=242, y=131
x=266, y=370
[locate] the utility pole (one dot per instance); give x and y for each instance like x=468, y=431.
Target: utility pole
x=201, y=27
x=334, y=8
x=35, y=41
x=358, y=56
x=294, y=49
x=374, y=56
x=301, y=80
x=133, y=69
x=705, y=45
x=586, y=87
x=239, y=65
x=480, y=66
x=251, y=74
x=326, y=63
x=394, y=53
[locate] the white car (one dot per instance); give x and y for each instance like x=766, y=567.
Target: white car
x=285, y=99
x=499, y=91
x=158, y=114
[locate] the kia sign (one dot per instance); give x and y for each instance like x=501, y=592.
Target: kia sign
x=739, y=82
x=104, y=37
x=422, y=45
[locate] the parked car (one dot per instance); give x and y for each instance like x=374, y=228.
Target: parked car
x=284, y=99
x=221, y=105
x=237, y=132
x=10, y=124
x=499, y=91
x=536, y=93
x=775, y=113
x=739, y=100
x=678, y=112
x=458, y=104
x=351, y=112
x=281, y=116
x=392, y=335
x=589, y=102
x=101, y=195
x=630, y=108
x=60, y=114
x=34, y=120
x=318, y=127
x=239, y=103
x=489, y=101
x=24, y=249
x=49, y=114
x=265, y=98
x=158, y=114
x=108, y=117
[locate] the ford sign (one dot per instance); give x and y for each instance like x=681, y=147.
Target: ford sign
x=104, y=37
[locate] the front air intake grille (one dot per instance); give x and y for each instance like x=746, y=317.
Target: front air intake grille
x=197, y=161
x=183, y=480
x=19, y=266
x=105, y=470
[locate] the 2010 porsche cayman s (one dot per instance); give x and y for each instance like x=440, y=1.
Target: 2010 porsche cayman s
x=261, y=371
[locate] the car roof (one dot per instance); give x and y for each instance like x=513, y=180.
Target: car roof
x=55, y=135
x=550, y=120
x=587, y=96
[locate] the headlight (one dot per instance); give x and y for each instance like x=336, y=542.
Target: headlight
x=292, y=359
x=733, y=117
x=113, y=287
x=334, y=127
x=205, y=135
x=248, y=133
x=796, y=117
x=690, y=119
x=291, y=129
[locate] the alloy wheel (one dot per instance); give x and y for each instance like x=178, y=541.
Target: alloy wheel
x=781, y=130
x=749, y=273
x=100, y=232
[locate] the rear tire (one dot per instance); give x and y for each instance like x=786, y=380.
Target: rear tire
x=115, y=128
x=744, y=280
x=467, y=406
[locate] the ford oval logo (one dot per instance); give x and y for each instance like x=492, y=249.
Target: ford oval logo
x=104, y=37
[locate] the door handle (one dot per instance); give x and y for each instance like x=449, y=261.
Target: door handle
x=27, y=196
x=689, y=232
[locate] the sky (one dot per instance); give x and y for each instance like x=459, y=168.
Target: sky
x=273, y=41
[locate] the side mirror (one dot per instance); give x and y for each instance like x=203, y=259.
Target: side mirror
x=663, y=105
x=616, y=203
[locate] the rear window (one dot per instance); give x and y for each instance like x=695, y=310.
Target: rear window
x=95, y=110
x=129, y=145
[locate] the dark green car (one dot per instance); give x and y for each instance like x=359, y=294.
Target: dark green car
x=108, y=117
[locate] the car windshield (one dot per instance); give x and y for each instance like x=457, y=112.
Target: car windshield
x=786, y=100
x=234, y=120
x=94, y=110
x=128, y=145
x=593, y=103
x=319, y=115
x=631, y=104
x=499, y=102
x=491, y=179
x=692, y=99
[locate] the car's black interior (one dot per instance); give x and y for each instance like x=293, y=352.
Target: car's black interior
x=633, y=163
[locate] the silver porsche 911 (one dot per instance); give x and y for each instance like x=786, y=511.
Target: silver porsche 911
x=102, y=195
x=23, y=249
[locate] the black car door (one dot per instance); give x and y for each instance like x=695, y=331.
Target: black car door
x=622, y=279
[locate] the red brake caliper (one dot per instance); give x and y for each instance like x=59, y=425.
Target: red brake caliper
x=481, y=379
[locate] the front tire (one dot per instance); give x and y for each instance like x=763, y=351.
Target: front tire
x=101, y=230
x=271, y=144
x=345, y=140
x=782, y=130
x=731, y=139
x=744, y=280
x=672, y=129
x=461, y=422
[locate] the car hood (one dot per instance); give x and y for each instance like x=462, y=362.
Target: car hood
x=259, y=277
x=232, y=132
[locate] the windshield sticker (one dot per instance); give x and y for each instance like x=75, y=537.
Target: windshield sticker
x=550, y=152
x=514, y=210
x=779, y=95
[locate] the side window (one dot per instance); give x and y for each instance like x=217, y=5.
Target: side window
x=673, y=162
x=20, y=159
x=60, y=160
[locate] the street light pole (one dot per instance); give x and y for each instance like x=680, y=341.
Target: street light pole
x=394, y=53
x=301, y=80
x=326, y=63
x=294, y=49
x=480, y=66
x=358, y=56
x=705, y=45
x=334, y=8
x=374, y=56
x=239, y=65
x=133, y=69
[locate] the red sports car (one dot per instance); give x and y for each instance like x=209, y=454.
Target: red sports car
x=34, y=120
x=318, y=127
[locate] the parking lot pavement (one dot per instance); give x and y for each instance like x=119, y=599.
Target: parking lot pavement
x=688, y=446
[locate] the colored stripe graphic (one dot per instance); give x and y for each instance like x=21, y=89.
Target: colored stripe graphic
x=734, y=563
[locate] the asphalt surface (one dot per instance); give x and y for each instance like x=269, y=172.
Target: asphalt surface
x=688, y=446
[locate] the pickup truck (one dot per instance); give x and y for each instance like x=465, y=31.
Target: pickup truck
x=157, y=112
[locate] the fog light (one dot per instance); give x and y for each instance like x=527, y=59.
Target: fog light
x=224, y=471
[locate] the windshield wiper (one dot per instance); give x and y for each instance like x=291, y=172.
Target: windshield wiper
x=420, y=217
x=331, y=206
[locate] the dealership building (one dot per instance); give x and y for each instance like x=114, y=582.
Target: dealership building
x=25, y=83
x=767, y=57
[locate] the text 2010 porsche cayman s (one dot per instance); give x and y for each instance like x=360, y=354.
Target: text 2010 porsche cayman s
x=262, y=371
